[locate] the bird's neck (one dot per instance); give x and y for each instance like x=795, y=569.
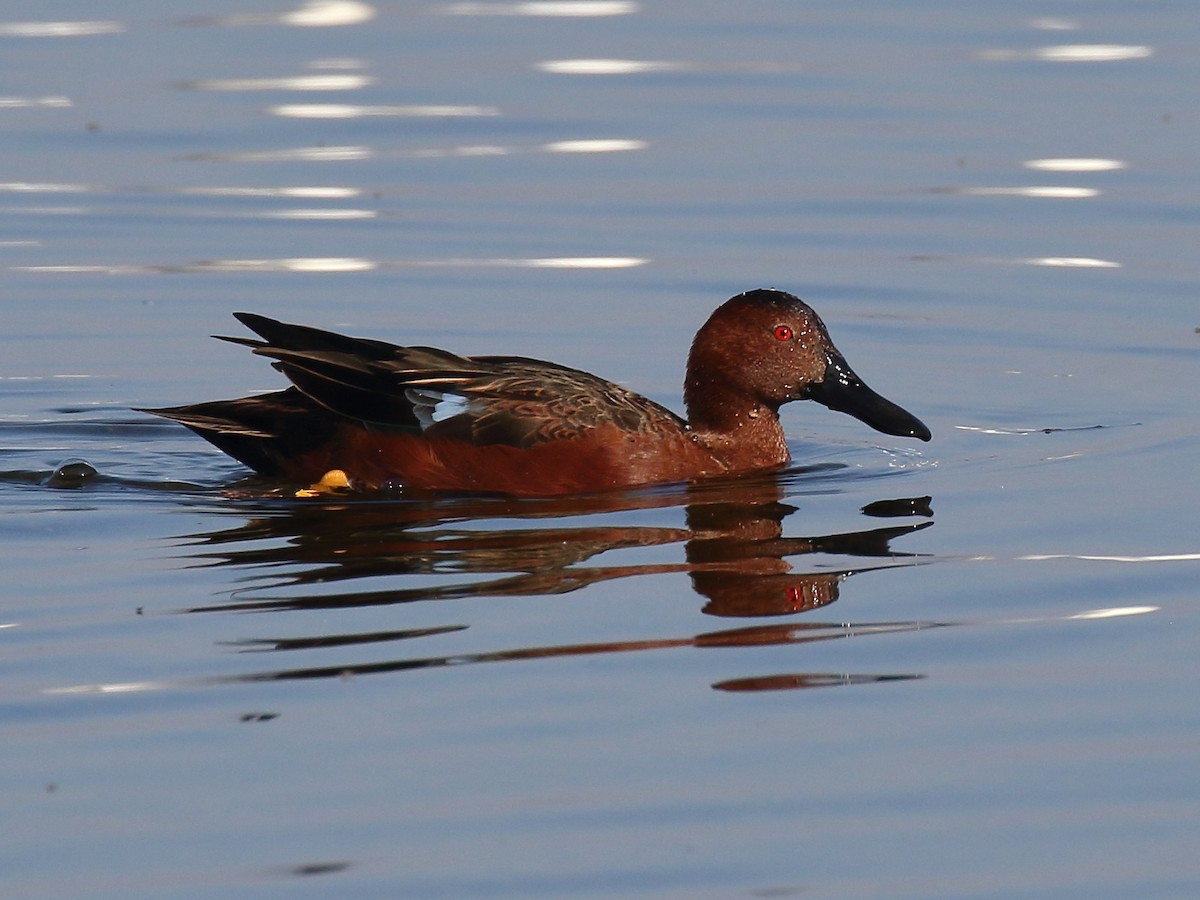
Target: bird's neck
x=743, y=433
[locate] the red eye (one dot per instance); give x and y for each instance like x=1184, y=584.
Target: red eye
x=783, y=332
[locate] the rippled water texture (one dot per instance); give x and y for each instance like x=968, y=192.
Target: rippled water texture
x=958, y=669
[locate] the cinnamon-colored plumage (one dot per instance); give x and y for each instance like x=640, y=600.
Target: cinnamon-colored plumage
x=429, y=420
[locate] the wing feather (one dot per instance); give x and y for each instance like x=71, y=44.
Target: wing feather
x=484, y=400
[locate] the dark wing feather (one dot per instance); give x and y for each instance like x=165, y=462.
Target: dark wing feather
x=485, y=400
x=262, y=431
x=372, y=391
x=285, y=336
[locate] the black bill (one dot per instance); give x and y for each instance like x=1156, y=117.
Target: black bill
x=844, y=391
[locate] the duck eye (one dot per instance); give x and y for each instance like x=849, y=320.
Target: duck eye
x=783, y=332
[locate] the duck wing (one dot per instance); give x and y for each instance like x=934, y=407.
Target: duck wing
x=483, y=399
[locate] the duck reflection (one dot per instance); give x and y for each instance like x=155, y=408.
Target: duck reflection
x=736, y=637
x=741, y=562
x=734, y=551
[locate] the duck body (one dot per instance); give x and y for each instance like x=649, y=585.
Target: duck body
x=428, y=420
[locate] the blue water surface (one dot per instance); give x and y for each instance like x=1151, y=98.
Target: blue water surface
x=958, y=669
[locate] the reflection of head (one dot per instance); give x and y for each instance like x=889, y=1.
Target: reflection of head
x=735, y=595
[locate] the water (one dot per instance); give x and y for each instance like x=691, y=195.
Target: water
x=961, y=669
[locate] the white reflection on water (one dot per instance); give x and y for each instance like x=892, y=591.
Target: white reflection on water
x=568, y=8
x=1168, y=557
x=295, y=264
x=578, y=262
x=308, y=192
x=59, y=29
x=351, y=111
x=39, y=187
x=1092, y=52
x=608, y=66
x=544, y=262
x=1057, y=192
x=290, y=154
x=53, y=102
x=1054, y=262
x=314, y=14
x=323, y=13
x=1070, y=262
x=324, y=82
x=339, y=154
x=1082, y=164
x=331, y=214
x=311, y=193
x=603, y=66
x=618, y=145
x=1024, y=432
x=127, y=687
x=323, y=264
x=1072, y=53
x=40, y=378
x=298, y=264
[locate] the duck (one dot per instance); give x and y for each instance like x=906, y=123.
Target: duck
x=383, y=417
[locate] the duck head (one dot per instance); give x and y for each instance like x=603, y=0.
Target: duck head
x=764, y=348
